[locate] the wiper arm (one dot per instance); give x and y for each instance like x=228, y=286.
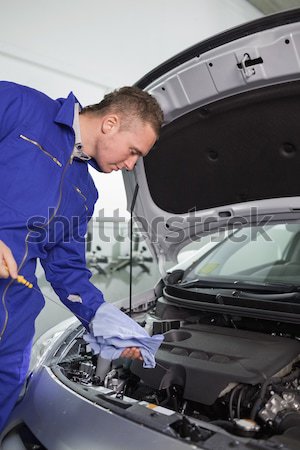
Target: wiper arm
x=240, y=285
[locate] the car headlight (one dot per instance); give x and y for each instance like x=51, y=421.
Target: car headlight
x=45, y=343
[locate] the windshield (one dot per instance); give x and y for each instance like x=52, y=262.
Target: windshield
x=264, y=254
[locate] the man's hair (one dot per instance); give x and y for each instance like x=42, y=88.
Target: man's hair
x=130, y=102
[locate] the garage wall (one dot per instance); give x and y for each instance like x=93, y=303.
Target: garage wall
x=93, y=46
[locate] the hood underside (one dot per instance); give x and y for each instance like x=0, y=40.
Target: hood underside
x=230, y=141
x=240, y=149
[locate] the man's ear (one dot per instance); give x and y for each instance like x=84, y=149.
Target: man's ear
x=110, y=124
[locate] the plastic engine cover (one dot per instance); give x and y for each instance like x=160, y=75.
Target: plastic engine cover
x=205, y=359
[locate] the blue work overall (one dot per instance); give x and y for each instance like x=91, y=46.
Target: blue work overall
x=46, y=200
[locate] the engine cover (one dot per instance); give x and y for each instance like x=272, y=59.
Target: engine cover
x=205, y=359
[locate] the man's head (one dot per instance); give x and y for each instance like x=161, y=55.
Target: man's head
x=121, y=128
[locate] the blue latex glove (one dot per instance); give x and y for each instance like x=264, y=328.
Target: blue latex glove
x=112, y=331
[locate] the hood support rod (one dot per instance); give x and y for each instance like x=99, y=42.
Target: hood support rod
x=136, y=189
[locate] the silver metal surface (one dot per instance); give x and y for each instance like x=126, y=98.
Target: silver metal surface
x=63, y=420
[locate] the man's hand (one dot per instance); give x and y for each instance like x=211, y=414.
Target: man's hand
x=132, y=353
x=8, y=265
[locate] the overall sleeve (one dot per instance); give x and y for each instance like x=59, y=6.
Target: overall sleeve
x=65, y=268
x=110, y=331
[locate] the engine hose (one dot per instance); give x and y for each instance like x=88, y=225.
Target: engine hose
x=257, y=405
x=281, y=389
x=239, y=402
x=226, y=424
x=287, y=379
x=232, y=395
x=286, y=420
x=167, y=399
x=291, y=376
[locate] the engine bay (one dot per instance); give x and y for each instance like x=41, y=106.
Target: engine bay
x=212, y=369
x=205, y=360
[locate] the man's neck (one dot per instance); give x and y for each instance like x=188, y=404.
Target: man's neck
x=88, y=130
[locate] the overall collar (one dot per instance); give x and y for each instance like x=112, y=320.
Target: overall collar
x=65, y=116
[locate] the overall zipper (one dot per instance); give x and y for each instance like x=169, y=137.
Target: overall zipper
x=42, y=149
x=81, y=195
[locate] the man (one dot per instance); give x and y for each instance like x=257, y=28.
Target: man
x=44, y=184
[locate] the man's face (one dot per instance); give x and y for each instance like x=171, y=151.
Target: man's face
x=119, y=147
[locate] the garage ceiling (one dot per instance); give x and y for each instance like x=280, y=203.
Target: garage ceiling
x=272, y=6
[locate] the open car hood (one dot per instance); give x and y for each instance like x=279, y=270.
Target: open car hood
x=229, y=151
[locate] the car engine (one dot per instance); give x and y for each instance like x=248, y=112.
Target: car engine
x=242, y=380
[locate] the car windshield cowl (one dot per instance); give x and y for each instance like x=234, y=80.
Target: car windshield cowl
x=240, y=285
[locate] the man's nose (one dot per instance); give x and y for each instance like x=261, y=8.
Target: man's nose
x=131, y=162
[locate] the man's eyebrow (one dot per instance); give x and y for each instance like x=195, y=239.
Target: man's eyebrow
x=137, y=151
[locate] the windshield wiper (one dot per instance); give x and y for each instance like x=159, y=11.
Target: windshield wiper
x=240, y=285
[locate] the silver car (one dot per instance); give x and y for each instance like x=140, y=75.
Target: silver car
x=220, y=197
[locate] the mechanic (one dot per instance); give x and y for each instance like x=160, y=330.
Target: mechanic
x=45, y=185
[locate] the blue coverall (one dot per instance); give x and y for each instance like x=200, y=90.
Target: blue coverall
x=46, y=200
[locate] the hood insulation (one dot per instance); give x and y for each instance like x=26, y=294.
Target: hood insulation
x=243, y=148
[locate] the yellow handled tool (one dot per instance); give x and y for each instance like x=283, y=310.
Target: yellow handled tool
x=20, y=279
